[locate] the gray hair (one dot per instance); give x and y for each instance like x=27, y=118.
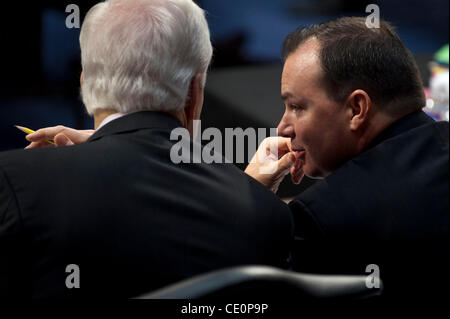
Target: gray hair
x=142, y=54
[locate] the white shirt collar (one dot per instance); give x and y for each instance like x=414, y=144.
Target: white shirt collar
x=111, y=118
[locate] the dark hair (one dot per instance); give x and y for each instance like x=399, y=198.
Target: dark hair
x=375, y=60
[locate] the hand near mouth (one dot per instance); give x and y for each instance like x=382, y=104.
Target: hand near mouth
x=273, y=160
x=296, y=170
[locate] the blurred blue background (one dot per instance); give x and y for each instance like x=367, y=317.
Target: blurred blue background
x=41, y=57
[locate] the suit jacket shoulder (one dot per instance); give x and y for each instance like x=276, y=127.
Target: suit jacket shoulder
x=118, y=207
x=395, y=189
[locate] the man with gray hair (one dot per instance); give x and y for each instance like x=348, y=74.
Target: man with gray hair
x=113, y=216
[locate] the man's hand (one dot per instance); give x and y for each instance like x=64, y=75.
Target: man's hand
x=273, y=160
x=61, y=135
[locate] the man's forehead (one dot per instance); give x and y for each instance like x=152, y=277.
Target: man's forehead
x=301, y=67
x=305, y=56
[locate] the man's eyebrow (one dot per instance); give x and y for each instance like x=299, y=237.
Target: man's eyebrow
x=289, y=96
x=286, y=96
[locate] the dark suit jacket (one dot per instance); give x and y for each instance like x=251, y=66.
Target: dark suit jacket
x=132, y=220
x=388, y=206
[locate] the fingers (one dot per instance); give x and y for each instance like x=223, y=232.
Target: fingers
x=297, y=171
x=277, y=144
x=62, y=140
x=78, y=136
x=61, y=135
x=286, y=162
x=45, y=133
x=283, y=166
x=42, y=143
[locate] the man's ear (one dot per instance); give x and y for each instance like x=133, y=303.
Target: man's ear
x=359, y=106
x=194, y=102
x=81, y=79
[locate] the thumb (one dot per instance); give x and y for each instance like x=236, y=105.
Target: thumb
x=286, y=162
x=62, y=140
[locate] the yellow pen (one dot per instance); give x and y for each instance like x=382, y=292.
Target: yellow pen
x=29, y=131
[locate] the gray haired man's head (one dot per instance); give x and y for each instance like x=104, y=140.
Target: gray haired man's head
x=142, y=54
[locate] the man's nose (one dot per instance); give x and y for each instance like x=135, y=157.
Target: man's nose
x=285, y=128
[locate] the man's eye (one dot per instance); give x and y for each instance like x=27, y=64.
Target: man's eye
x=296, y=107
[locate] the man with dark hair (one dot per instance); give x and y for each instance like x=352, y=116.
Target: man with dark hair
x=353, y=118
x=353, y=56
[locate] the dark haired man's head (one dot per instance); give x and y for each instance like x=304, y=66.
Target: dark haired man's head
x=343, y=84
x=353, y=56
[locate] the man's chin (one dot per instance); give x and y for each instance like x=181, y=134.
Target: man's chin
x=313, y=174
